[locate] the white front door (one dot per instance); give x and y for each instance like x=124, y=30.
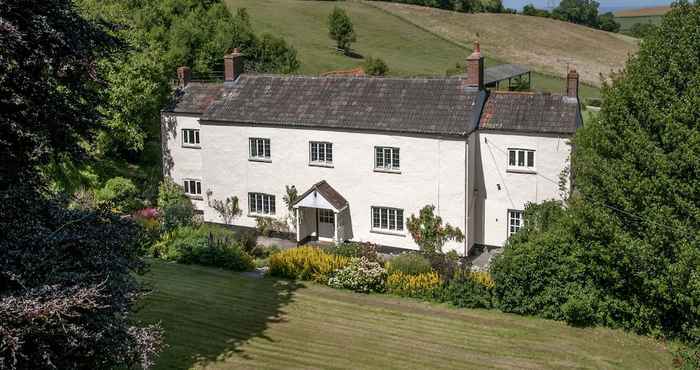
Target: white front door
x=326, y=225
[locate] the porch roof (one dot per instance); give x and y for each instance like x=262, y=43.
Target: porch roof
x=330, y=195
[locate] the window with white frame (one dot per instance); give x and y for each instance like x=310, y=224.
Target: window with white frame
x=515, y=221
x=387, y=219
x=320, y=153
x=259, y=148
x=326, y=216
x=193, y=187
x=386, y=158
x=521, y=159
x=261, y=204
x=190, y=137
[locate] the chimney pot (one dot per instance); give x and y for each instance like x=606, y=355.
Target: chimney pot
x=475, y=68
x=572, y=83
x=184, y=75
x=233, y=65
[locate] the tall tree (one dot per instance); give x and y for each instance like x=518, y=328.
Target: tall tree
x=626, y=250
x=66, y=276
x=49, y=84
x=340, y=29
x=578, y=11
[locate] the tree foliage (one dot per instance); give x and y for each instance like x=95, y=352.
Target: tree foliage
x=375, y=67
x=67, y=283
x=165, y=34
x=340, y=29
x=625, y=252
x=429, y=233
x=584, y=12
x=67, y=286
x=49, y=82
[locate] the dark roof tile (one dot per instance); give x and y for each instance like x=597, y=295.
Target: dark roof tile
x=530, y=112
x=195, y=98
x=409, y=105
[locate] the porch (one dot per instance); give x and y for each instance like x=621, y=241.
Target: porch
x=322, y=215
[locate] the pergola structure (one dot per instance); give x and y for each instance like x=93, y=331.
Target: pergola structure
x=493, y=76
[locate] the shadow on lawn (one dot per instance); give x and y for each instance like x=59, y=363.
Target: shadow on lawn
x=207, y=315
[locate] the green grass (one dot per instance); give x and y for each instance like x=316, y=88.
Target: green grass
x=407, y=49
x=223, y=320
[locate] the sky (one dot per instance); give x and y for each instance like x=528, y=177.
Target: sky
x=605, y=5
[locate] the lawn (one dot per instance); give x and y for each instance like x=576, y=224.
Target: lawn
x=223, y=320
x=408, y=49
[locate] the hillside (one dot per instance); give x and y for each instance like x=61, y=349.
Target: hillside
x=643, y=12
x=543, y=44
x=628, y=18
x=408, y=49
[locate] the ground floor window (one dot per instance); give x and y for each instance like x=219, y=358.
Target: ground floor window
x=262, y=204
x=193, y=187
x=515, y=221
x=326, y=216
x=387, y=219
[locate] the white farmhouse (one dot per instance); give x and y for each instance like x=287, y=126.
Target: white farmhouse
x=366, y=152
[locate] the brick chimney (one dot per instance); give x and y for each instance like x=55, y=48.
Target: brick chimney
x=184, y=76
x=572, y=83
x=233, y=65
x=475, y=68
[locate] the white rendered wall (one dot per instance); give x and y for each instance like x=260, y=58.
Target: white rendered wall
x=181, y=162
x=516, y=189
x=432, y=172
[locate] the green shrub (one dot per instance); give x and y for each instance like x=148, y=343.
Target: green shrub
x=120, y=194
x=355, y=249
x=306, y=263
x=468, y=292
x=175, y=208
x=206, y=246
x=361, y=275
x=578, y=309
x=375, y=67
x=409, y=263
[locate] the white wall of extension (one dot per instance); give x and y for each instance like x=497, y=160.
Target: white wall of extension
x=499, y=188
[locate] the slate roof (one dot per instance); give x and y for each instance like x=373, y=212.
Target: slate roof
x=407, y=105
x=530, y=112
x=442, y=106
x=328, y=193
x=195, y=98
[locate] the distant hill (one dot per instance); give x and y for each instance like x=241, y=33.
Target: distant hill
x=643, y=12
x=411, y=49
x=544, y=44
x=628, y=18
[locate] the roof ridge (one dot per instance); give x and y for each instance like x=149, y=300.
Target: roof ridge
x=366, y=77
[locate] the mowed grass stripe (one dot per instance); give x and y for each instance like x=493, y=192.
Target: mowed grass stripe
x=222, y=320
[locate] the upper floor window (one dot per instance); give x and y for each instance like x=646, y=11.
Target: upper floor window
x=387, y=219
x=259, y=148
x=515, y=221
x=321, y=153
x=193, y=187
x=261, y=204
x=190, y=137
x=386, y=158
x=521, y=159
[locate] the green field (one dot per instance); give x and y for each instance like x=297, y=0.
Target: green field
x=626, y=23
x=408, y=49
x=224, y=320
